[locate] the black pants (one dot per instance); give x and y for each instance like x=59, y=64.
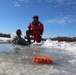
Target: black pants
x=28, y=33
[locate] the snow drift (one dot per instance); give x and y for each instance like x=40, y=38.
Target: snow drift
x=71, y=47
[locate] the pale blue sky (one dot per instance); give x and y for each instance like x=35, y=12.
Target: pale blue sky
x=58, y=16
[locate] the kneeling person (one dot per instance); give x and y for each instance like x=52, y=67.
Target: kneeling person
x=18, y=39
x=35, y=29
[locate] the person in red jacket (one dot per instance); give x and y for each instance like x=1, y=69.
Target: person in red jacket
x=35, y=29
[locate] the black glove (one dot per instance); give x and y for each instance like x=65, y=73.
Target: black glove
x=41, y=32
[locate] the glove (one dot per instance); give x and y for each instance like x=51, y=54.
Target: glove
x=40, y=36
x=41, y=32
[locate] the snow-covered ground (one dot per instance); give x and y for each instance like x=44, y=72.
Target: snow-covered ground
x=18, y=60
x=68, y=46
x=2, y=39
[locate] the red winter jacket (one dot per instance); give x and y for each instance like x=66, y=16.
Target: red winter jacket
x=37, y=28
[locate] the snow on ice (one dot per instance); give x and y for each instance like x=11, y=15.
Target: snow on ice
x=71, y=47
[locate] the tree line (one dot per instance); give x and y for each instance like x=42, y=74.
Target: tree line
x=67, y=39
x=5, y=35
x=59, y=38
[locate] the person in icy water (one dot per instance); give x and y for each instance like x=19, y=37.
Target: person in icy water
x=18, y=39
x=35, y=29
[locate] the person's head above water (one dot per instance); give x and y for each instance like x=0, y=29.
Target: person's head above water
x=18, y=32
x=35, y=18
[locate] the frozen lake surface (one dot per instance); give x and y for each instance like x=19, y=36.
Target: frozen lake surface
x=18, y=60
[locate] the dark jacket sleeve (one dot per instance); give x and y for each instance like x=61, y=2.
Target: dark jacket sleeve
x=21, y=41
